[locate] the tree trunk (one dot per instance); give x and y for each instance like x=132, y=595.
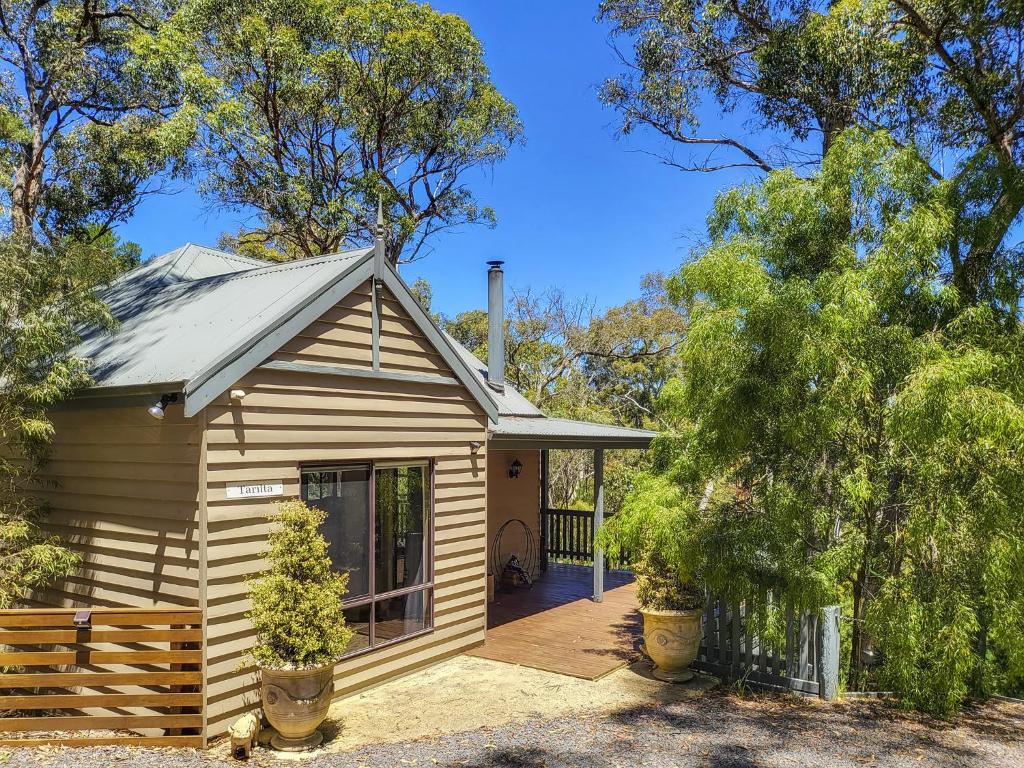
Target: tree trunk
x=26, y=189
x=857, y=635
x=971, y=277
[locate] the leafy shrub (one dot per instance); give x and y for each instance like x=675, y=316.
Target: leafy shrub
x=654, y=527
x=658, y=587
x=296, y=605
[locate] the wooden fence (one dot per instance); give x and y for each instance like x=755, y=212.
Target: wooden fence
x=108, y=669
x=805, y=659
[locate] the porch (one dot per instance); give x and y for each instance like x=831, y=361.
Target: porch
x=557, y=626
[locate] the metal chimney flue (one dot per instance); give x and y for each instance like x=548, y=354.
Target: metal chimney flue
x=496, y=326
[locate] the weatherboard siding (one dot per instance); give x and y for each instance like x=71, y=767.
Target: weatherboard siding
x=122, y=491
x=289, y=418
x=341, y=337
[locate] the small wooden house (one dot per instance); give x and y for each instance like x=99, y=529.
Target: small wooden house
x=232, y=384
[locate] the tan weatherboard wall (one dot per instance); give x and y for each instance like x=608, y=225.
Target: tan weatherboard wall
x=511, y=499
x=290, y=418
x=122, y=489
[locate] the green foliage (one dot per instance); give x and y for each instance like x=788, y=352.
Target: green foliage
x=85, y=126
x=311, y=109
x=847, y=430
x=46, y=296
x=942, y=76
x=574, y=363
x=296, y=604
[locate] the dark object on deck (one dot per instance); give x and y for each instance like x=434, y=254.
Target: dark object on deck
x=514, y=575
x=502, y=557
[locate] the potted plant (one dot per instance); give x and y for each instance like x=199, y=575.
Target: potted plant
x=300, y=629
x=671, y=607
x=654, y=526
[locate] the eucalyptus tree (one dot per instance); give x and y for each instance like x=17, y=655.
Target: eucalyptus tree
x=86, y=129
x=942, y=76
x=313, y=108
x=858, y=426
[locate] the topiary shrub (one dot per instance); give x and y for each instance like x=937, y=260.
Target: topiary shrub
x=296, y=604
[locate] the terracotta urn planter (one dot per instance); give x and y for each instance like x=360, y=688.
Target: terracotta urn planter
x=295, y=702
x=672, y=640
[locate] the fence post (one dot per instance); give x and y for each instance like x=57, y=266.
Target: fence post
x=828, y=661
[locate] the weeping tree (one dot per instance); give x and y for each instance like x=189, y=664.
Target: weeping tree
x=847, y=428
x=312, y=109
x=46, y=295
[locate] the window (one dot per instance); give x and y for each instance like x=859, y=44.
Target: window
x=378, y=531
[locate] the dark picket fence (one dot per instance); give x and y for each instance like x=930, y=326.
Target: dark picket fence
x=806, y=659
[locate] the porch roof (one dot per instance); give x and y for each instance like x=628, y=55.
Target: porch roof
x=523, y=432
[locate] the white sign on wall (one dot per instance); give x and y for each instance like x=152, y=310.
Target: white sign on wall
x=254, y=490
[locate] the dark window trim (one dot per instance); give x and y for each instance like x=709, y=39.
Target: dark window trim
x=371, y=598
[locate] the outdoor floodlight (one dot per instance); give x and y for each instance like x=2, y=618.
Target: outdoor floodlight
x=157, y=410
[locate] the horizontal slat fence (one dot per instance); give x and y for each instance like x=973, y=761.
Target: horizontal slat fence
x=732, y=650
x=127, y=670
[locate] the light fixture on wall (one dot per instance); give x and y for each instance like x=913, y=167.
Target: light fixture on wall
x=515, y=469
x=157, y=410
x=475, y=446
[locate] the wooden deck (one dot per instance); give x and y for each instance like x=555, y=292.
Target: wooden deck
x=555, y=626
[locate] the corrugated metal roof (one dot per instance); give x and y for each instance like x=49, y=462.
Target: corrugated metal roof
x=527, y=430
x=180, y=311
x=185, y=315
x=521, y=422
x=509, y=402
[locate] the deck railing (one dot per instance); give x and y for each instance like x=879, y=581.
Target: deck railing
x=109, y=669
x=567, y=536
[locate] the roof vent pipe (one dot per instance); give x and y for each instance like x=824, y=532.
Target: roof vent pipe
x=496, y=326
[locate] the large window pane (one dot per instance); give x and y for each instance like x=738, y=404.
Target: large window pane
x=344, y=494
x=400, y=616
x=401, y=528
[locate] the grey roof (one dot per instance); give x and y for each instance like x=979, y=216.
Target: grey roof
x=196, y=320
x=509, y=402
x=181, y=311
x=545, y=432
x=522, y=425
x=189, y=262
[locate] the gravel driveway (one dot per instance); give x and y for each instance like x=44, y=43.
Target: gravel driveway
x=717, y=729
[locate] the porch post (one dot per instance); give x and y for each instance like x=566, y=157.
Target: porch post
x=598, y=521
x=545, y=503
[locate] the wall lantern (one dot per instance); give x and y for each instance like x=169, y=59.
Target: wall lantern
x=475, y=446
x=157, y=410
x=515, y=469
x=83, y=619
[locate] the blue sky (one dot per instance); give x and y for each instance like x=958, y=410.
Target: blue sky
x=577, y=207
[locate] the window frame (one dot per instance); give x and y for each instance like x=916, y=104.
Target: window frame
x=371, y=598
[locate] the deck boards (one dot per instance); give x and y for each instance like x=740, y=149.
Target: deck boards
x=555, y=626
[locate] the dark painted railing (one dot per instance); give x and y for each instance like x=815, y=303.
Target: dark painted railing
x=567, y=536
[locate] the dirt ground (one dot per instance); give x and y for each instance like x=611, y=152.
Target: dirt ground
x=467, y=693
x=475, y=713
